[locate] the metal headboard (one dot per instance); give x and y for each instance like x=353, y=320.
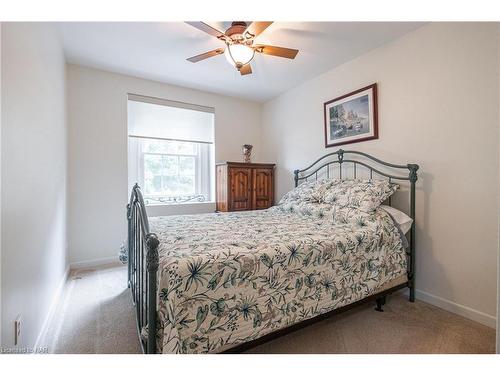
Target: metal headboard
x=373, y=165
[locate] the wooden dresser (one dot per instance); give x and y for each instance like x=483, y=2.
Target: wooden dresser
x=244, y=186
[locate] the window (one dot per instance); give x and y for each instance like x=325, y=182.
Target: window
x=170, y=152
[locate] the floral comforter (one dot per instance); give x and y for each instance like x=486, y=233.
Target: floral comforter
x=229, y=278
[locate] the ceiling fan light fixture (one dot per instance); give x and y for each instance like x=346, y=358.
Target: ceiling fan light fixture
x=239, y=54
x=240, y=48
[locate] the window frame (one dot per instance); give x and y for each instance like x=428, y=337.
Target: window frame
x=203, y=179
x=142, y=172
x=205, y=175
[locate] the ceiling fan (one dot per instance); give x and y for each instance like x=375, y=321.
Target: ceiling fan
x=240, y=48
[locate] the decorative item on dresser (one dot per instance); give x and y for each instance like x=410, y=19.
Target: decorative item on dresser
x=244, y=186
x=247, y=153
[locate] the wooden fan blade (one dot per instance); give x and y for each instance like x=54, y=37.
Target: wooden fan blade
x=257, y=27
x=246, y=69
x=206, y=55
x=277, y=51
x=207, y=28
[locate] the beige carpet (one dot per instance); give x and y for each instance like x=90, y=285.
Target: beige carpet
x=96, y=316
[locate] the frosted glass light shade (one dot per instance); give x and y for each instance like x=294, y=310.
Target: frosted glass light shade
x=239, y=54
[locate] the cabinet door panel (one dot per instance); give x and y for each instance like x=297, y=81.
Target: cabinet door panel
x=263, y=189
x=221, y=191
x=240, y=185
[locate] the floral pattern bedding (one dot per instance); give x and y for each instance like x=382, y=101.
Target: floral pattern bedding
x=364, y=195
x=225, y=279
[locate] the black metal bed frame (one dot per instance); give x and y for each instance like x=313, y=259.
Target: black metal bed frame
x=143, y=259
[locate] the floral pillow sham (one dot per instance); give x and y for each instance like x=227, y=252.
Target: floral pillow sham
x=364, y=195
x=309, y=191
x=333, y=214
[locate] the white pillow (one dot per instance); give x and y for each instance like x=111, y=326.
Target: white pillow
x=402, y=219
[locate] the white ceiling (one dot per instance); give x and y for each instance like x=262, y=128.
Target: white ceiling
x=158, y=51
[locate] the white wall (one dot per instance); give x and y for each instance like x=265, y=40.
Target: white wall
x=0, y=185
x=97, y=110
x=438, y=107
x=498, y=244
x=33, y=157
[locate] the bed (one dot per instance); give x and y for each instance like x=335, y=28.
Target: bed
x=225, y=282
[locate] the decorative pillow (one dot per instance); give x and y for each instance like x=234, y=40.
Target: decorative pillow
x=307, y=209
x=323, y=211
x=364, y=195
x=309, y=191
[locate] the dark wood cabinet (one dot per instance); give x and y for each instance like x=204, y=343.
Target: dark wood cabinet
x=244, y=186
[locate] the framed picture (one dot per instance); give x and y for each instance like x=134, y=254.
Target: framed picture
x=352, y=117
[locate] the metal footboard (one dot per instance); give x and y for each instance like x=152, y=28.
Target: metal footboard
x=142, y=269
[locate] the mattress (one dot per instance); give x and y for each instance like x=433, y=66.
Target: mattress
x=229, y=278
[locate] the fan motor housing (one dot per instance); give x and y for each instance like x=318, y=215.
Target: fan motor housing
x=236, y=30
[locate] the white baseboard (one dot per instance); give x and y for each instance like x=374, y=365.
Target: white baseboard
x=456, y=308
x=95, y=263
x=52, y=309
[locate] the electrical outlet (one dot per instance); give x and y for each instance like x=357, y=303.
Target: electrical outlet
x=17, y=330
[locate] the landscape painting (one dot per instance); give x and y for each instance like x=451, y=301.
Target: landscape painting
x=351, y=117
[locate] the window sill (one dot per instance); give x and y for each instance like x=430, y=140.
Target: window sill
x=187, y=208
x=179, y=204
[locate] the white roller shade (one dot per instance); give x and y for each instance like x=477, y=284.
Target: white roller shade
x=157, y=118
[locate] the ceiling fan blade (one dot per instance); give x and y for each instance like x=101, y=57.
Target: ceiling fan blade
x=246, y=69
x=288, y=53
x=207, y=28
x=257, y=27
x=206, y=55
